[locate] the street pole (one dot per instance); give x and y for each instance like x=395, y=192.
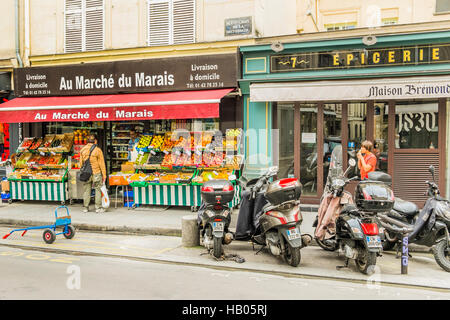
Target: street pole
x=405, y=254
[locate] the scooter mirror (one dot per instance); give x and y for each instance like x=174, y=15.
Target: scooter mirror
x=352, y=162
x=431, y=169
x=273, y=169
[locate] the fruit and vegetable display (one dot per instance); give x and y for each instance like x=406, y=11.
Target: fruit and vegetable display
x=26, y=144
x=81, y=136
x=43, y=158
x=37, y=174
x=207, y=175
x=157, y=142
x=144, y=141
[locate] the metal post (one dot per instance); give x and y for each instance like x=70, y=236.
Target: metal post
x=405, y=254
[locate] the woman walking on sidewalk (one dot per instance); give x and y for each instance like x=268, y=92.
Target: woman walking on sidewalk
x=98, y=176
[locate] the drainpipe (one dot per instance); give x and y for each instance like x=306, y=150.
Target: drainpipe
x=27, y=33
x=19, y=59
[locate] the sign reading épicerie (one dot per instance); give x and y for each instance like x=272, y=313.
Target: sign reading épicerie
x=361, y=58
x=150, y=75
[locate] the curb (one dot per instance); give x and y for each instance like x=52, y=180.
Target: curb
x=156, y=231
x=152, y=231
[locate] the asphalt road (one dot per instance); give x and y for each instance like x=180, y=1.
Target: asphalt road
x=33, y=274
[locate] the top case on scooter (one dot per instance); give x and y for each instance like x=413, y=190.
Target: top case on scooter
x=283, y=190
x=217, y=192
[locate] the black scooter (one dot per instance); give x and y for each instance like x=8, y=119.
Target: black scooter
x=429, y=227
x=214, y=215
x=354, y=234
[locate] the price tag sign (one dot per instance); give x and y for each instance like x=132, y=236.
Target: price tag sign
x=53, y=154
x=141, y=153
x=166, y=152
x=152, y=152
x=42, y=154
x=177, y=152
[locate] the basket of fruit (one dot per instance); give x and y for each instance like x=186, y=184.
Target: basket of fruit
x=27, y=142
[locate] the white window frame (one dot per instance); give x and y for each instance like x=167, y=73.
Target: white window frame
x=83, y=11
x=171, y=21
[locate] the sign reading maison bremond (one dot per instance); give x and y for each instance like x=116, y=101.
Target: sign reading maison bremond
x=150, y=75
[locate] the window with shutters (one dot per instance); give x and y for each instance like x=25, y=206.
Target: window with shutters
x=171, y=22
x=84, y=25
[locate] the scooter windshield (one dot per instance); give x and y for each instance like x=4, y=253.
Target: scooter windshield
x=336, y=161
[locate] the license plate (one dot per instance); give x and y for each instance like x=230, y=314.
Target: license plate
x=373, y=241
x=218, y=226
x=293, y=234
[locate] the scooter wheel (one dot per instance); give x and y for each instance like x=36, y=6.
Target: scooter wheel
x=49, y=236
x=292, y=255
x=366, y=263
x=327, y=245
x=218, y=248
x=441, y=254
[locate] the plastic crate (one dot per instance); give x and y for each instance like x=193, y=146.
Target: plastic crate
x=129, y=194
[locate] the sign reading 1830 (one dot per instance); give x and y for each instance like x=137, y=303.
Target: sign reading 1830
x=361, y=58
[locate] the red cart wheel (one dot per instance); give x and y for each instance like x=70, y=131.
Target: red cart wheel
x=70, y=232
x=49, y=236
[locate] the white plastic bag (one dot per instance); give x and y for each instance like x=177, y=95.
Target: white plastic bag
x=105, y=197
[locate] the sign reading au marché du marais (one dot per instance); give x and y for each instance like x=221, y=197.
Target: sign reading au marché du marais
x=361, y=58
x=149, y=75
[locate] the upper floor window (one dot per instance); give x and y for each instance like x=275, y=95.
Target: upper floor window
x=442, y=6
x=340, y=26
x=83, y=25
x=171, y=22
x=389, y=21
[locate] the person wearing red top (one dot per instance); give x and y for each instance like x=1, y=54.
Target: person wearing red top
x=367, y=161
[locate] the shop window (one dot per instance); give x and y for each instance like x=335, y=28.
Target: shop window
x=171, y=22
x=84, y=25
x=416, y=125
x=356, y=131
x=381, y=111
x=331, y=133
x=442, y=6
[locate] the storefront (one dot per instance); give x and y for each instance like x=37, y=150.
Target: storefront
x=312, y=96
x=183, y=109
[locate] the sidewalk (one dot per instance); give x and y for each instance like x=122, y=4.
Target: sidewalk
x=149, y=220
x=146, y=220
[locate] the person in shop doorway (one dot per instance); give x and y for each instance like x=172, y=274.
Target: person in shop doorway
x=134, y=138
x=367, y=161
x=98, y=176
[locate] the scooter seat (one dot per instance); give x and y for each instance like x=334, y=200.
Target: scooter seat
x=405, y=208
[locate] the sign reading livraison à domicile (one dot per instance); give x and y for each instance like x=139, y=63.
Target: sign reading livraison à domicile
x=133, y=76
x=361, y=89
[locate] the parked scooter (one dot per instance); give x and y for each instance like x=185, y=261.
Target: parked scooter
x=351, y=229
x=430, y=226
x=269, y=215
x=214, y=215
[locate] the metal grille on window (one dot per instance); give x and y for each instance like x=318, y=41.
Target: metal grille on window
x=84, y=25
x=171, y=22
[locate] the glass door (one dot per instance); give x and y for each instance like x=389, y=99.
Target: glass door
x=308, y=149
x=285, y=125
